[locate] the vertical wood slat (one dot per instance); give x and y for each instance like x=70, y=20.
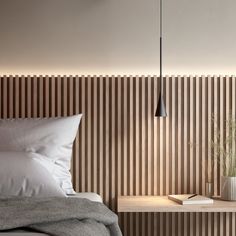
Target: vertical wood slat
x=121, y=148
x=203, y=140
x=179, y=150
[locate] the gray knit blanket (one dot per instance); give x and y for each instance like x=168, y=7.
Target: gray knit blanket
x=58, y=216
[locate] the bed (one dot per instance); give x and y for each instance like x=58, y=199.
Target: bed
x=36, y=192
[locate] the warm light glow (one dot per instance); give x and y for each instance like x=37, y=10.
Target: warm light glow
x=117, y=71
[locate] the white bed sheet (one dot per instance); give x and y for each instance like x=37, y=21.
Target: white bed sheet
x=91, y=196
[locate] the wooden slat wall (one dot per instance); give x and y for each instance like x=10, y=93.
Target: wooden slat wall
x=122, y=149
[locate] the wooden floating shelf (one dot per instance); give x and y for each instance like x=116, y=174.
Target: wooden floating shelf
x=163, y=204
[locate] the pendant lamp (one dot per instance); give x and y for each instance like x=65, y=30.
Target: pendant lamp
x=161, y=110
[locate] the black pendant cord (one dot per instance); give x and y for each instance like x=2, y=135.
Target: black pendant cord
x=160, y=66
x=161, y=110
x=161, y=48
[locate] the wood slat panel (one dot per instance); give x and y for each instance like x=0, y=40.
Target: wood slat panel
x=121, y=148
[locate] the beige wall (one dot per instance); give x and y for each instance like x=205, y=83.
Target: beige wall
x=116, y=37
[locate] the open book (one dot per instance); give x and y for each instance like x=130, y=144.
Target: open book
x=188, y=199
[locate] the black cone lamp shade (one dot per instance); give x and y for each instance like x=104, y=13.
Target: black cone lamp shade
x=161, y=110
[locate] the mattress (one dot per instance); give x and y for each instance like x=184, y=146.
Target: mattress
x=91, y=196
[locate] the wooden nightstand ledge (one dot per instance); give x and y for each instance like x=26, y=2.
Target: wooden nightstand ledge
x=163, y=204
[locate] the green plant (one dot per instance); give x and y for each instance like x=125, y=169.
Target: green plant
x=224, y=146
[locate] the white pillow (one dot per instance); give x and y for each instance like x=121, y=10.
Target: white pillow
x=52, y=138
x=25, y=177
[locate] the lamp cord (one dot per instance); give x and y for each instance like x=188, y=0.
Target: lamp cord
x=160, y=47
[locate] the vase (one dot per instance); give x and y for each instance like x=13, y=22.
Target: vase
x=209, y=189
x=228, y=188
